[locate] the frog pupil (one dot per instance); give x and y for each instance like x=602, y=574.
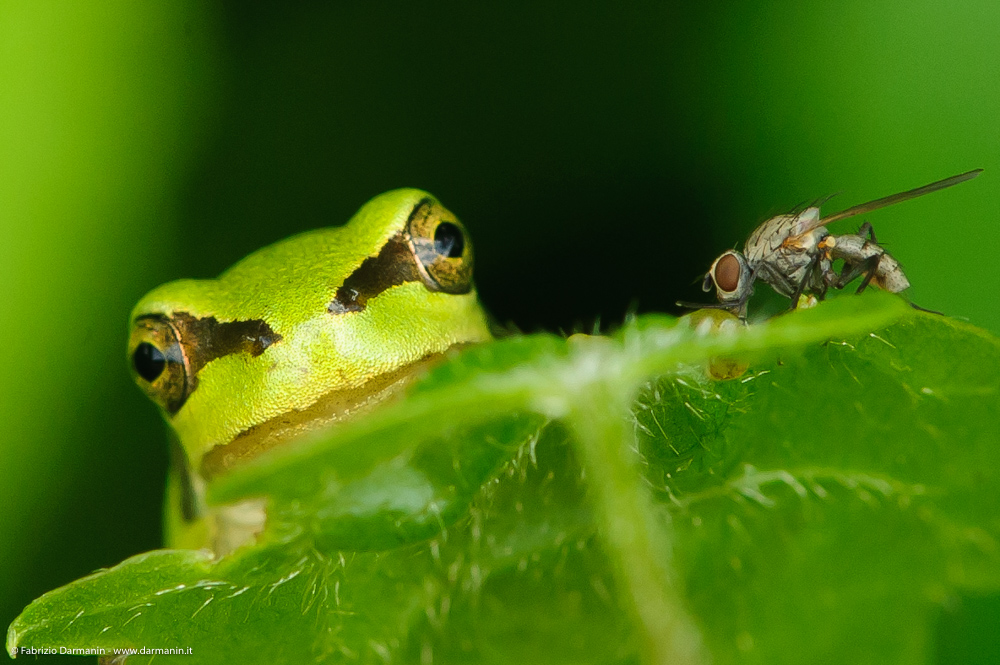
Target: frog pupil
x=149, y=361
x=448, y=240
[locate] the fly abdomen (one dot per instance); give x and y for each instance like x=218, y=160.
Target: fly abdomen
x=862, y=256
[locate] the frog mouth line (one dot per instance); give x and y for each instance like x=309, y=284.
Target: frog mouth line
x=335, y=406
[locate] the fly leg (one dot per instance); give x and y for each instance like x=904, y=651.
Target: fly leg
x=808, y=278
x=924, y=309
x=853, y=269
x=823, y=275
x=867, y=230
x=820, y=284
x=867, y=266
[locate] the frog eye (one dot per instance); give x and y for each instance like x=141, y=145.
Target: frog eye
x=442, y=248
x=158, y=362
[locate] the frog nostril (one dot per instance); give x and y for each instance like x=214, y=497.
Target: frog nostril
x=149, y=361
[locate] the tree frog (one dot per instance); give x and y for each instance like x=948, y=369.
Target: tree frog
x=314, y=329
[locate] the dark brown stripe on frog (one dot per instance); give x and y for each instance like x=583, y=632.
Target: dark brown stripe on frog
x=202, y=340
x=205, y=340
x=394, y=265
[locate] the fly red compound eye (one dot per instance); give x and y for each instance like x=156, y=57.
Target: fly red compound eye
x=727, y=273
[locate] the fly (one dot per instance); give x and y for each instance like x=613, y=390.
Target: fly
x=794, y=254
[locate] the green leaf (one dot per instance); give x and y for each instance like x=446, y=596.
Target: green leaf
x=840, y=497
x=825, y=506
x=178, y=599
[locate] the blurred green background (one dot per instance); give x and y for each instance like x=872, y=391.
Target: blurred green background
x=601, y=155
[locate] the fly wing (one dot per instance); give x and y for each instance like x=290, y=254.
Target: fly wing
x=896, y=198
x=772, y=234
x=795, y=230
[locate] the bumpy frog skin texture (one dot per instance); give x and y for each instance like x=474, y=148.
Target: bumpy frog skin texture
x=311, y=329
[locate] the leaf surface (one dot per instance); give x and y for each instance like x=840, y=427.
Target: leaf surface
x=602, y=500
